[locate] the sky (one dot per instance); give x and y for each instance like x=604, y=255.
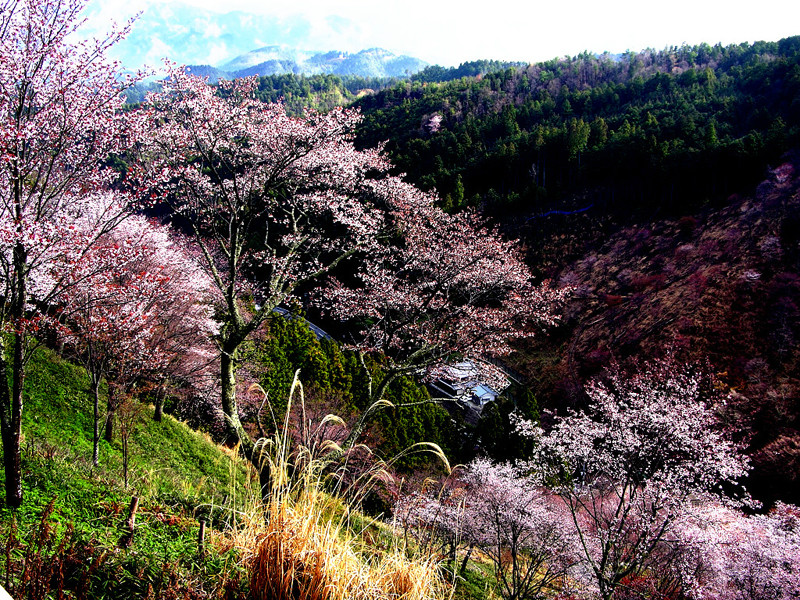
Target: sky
x=439, y=32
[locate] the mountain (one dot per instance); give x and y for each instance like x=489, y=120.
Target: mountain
x=273, y=60
x=275, y=55
x=212, y=73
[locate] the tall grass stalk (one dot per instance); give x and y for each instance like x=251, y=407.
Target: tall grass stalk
x=299, y=538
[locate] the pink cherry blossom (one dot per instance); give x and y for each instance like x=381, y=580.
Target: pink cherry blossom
x=136, y=308
x=728, y=555
x=631, y=466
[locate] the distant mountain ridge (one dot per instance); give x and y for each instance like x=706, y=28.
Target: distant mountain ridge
x=277, y=60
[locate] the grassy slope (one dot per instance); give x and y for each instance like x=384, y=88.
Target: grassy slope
x=178, y=474
x=65, y=538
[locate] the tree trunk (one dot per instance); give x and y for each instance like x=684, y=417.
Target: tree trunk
x=464, y=562
x=108, y=433
x=130, y=525
x=158, y=414
x=228, y=396
x=265, y=480
x=235, y=433
x=11, y=409
x=12, y=463
x=96, y=433
x=11, y=423
x=125, y=459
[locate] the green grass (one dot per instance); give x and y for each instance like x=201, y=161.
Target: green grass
x=179, y=475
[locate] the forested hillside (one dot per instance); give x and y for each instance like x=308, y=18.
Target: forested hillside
x=652, y=131
x=317, y=92
x=718, y=287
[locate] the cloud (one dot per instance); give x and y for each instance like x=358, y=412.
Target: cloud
x=218, y=53
x=211, y=28
x=156, y=52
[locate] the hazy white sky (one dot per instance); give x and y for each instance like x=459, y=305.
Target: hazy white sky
x=451, y=32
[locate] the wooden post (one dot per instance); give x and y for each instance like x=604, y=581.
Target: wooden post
x=201, y=537
x=127, y=538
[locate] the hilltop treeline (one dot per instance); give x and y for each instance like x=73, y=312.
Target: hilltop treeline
x=325, y=92
x=298, y=93
x=317, y=92
x=473, y=68
x=667, y=129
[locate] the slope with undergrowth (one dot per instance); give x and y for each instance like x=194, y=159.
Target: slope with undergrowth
x=71, y=538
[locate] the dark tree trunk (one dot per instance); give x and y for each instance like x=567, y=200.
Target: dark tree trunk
x=125, y=459
x=13, y=465
x=11, y=409
x=264, y=480
x=158, y=414
x=11, y=412
x=96, y=433
x=11, y=420
x=464, y=562
x=108, y=429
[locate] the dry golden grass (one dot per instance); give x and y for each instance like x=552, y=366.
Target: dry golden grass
x=301, y=543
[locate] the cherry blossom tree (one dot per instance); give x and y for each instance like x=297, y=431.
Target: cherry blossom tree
x=109, y=327
x=523, y=528
x=278, y=204
x=439, y=287
x=273, y=201
x=631, y=466
x=137, y=307
x=59, y=123
x=729, y=555
x=436, y=517
x=181, y=319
